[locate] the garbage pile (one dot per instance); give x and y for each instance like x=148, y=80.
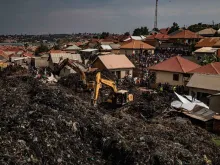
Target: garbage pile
x=151, y=105
x=12, y=70
x=43, y=124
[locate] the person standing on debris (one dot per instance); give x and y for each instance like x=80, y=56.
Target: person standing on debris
x=193, y=96
x=161, y=89
x=174, y=88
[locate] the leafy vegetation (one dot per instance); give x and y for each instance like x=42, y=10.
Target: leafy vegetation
x=141, y=31
x=200, y=26
x=174, y=28
x=127, y=34
x=216, y=141
x=104, y=35
x=207, y=59
x=41, y=48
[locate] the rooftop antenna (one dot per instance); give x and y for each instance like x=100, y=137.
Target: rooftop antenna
x=155, y=19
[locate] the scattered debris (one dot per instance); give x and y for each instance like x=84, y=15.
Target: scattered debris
x=187, y=102
x=43, y=124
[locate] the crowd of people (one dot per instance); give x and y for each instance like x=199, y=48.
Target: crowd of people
x=146, y=60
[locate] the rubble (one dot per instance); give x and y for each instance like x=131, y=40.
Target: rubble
x=43, y=124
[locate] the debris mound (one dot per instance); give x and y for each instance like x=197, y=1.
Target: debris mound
x=43, y=124
x=13, y=70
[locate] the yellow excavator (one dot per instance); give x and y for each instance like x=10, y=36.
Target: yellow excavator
x=82, y=84
x=117, y=97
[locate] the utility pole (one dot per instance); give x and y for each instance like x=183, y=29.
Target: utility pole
x=155, y=19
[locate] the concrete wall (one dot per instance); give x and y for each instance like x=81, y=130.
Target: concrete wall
x=127, y=52
x=98, y=64
x=123, y=72
x=41, y=62
x=214, y=103
x=167, y=77
x=196, y=90
x=115, y=51
x=205, y=93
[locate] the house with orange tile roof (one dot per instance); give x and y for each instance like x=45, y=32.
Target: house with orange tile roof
x=217, y=44
x=135, y=47
x=212, y=68
x=160, y=37
x=119, y=65
x=185, y=36
x=207, y=42
x=164, y=30
x=156, y=39
x=174, y=71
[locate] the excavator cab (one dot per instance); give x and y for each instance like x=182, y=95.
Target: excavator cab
x=122, y=97
x=81, y=86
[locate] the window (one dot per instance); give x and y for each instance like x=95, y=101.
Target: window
x=186, y=75
x=176, y=77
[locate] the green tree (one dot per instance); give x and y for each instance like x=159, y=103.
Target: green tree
x=174, y=28
x=41, y=48
x=155, y=29
x=127, y=34
x=207, y=59
x=141, y=31
x=26, y=45
x=104, y=35
x=56, y=47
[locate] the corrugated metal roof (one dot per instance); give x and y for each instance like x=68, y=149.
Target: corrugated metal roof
x=208, y=31
x=73, y=47
x=206, y=50
x=89, y=50
x=187, y=103
x=201, y=113
x=138, y=38
x=106, y=47
x=207, y=42
x=106, y=43
x=56, y=57
x=115, y=46
x=204, y=81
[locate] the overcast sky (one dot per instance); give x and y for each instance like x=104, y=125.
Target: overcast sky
x=118, y=16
